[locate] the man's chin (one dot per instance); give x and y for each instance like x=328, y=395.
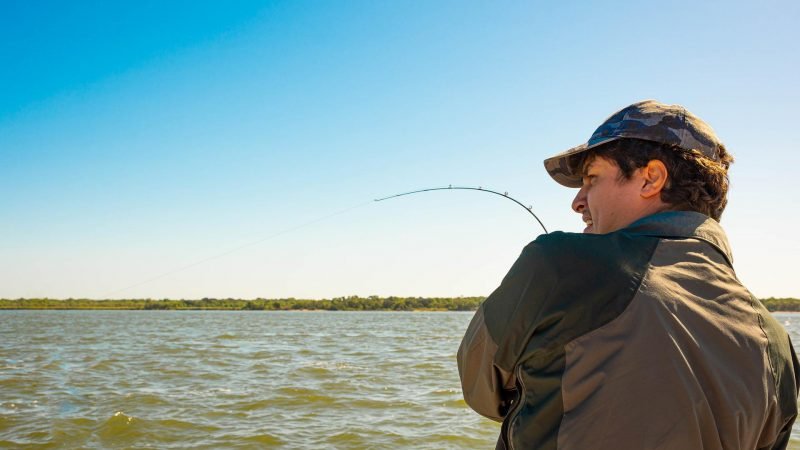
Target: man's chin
x=589, y=229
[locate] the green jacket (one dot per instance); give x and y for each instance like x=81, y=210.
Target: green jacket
x=639, y=339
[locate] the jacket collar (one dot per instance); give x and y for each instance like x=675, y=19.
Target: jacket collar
x=683, y=224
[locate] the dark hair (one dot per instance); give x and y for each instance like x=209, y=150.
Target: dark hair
x=694, y=183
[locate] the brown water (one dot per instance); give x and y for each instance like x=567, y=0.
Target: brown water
x=211, y=379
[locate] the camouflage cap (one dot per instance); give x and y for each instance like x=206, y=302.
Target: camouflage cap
x=648, y=120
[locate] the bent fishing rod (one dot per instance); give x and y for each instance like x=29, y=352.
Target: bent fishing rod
x=468, y=188
x=248, y=244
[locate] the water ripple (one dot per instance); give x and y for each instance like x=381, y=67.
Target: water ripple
x=233, y=380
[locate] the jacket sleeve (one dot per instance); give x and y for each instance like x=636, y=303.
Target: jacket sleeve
x=484, y=385
x=783, y=436
x=488, y=387
x=783, y=440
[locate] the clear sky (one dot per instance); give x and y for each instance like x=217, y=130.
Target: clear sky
x=202, y=149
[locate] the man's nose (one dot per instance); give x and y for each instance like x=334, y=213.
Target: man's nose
x=579, y=202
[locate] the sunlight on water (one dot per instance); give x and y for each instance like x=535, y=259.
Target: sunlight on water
x=187, y=379
x=179, y=379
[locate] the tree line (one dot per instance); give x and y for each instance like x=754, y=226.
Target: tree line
x=781, y=304
x=350, y=303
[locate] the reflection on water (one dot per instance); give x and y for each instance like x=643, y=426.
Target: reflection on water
x=213, y=379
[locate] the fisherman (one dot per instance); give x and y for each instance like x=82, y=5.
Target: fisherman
x=635, y=334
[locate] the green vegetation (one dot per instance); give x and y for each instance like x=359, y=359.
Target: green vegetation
x=352, y=303
x=781, y=304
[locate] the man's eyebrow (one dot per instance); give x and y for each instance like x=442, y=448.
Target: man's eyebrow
x=585, y=168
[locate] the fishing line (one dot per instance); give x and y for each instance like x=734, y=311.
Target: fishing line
x=236, y=249
x=479, y=188
x=312, y=222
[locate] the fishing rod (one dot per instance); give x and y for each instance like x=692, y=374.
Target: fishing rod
x=468, y=188
x=320, y=219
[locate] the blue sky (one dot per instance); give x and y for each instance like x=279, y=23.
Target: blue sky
x=138, y=139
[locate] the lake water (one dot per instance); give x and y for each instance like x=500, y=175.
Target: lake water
x=239, y=380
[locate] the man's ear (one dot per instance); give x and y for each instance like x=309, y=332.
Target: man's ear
x=654, y=177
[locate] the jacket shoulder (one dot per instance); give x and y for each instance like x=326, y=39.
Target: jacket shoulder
x=564, y=285
x=589, y=251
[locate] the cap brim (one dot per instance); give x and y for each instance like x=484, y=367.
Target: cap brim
x=558, y=166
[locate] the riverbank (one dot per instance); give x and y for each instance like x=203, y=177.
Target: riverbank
x=352, y=303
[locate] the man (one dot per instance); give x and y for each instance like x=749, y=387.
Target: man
x=635, y=334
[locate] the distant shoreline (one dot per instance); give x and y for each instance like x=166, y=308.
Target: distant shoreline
x=351, y=303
